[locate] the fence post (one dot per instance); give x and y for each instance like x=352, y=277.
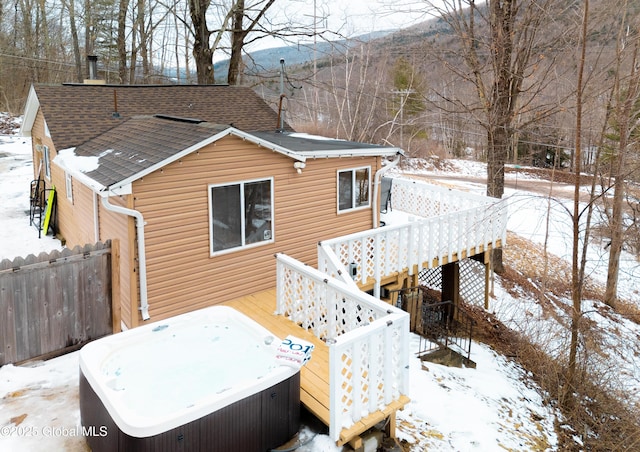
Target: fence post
x=54, y=302
x=116, y=316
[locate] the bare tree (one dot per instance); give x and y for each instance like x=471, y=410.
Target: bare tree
x=121, y=40
x=354, y=94
x=240, y=22
x=239, y=32
x=502, y=52
x=69, y=5
x=202, y=49
x=625, y=115
x=576, y=268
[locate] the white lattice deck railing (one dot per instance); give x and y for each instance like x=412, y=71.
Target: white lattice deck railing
x=367, y=340
x=428, y=200
x=447, y=223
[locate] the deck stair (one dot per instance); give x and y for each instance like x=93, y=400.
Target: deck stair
x=445, y=330
x=446, y=333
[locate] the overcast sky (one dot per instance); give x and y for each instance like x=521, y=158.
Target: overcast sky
x=350, y=18
x=363, y=16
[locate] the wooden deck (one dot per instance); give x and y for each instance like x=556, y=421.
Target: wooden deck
x=314, y=376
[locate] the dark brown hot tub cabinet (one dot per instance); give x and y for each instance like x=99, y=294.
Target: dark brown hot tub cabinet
x=259, y=422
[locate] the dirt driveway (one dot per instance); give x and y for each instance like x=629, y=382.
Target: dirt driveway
x=541, y=186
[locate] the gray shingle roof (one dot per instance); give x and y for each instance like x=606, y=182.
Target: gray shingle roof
x=141, y=142
x=76, y=113
x=308, y=143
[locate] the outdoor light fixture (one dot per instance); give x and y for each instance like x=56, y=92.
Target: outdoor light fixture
x=299, y=166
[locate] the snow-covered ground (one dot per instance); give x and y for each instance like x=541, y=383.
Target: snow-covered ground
x=618, y=347
x=496, y=406
x=17, y=238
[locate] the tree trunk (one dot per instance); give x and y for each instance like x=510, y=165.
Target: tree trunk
x=611, y=291
x=43, y=39
x=143, y=39
x=202, y=53
x=626, y=113
x=121, y=43
x=502, y=106
x=133, y=57
x=576, y=282
x=89, y=33
x=497, y=140
x=238, y=36
x=70, y=5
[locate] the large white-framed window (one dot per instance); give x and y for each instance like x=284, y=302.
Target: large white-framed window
x=354, y=188
x=240, y=215
x=68, y=186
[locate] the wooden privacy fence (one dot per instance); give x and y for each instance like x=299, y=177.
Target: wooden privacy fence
x=54, y=301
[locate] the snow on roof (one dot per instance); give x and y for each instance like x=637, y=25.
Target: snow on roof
x=77, y=166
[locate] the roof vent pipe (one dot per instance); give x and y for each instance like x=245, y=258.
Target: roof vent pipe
x=115, y=113
x=282, y=97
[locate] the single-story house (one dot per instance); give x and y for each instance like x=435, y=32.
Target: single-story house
x=198, y=185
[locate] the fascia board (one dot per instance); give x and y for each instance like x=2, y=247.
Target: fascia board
x=30, y=111
x=229, y=131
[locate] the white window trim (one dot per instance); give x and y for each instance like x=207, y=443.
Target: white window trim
x=353, y=191
x=213, y=253
x=46, y=160
x=68, y=185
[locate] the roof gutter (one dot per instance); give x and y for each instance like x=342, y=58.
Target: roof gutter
x=377, y=179
x=142, y=262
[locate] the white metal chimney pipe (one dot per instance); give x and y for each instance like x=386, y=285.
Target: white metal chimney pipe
x=92, y=62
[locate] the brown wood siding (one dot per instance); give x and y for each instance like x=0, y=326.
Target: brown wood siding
x=116, y=226
x=174, y=201
x=38, y=137
x=75, y=220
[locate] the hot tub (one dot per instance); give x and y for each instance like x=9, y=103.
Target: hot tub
x=206, y=380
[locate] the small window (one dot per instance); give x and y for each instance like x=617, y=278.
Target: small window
x=68, y=182
x=353, y=189
x=46, y=162
x=241, y=215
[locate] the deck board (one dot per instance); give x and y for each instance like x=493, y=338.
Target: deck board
x=314, y=376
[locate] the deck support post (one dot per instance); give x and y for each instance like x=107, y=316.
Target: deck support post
x=390, y=427
x=357, y=444
x=487, y=279
x=451, y=285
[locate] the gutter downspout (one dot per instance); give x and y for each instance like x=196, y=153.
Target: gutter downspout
x=376, y=185
x=142, y=262
x=96, y=219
